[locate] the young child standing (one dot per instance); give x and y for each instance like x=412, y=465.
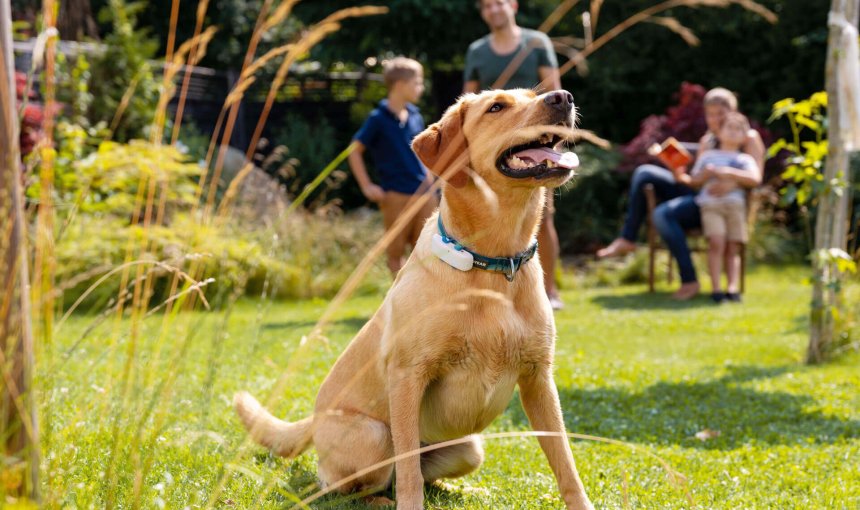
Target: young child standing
x=387, y=134
x=724, y=215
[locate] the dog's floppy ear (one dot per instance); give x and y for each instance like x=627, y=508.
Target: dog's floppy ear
x=443, y=149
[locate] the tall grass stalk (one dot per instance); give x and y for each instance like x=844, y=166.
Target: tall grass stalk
x=44, y=264
x=202, y=7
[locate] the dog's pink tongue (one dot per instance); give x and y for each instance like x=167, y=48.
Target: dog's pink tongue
x=565, y=160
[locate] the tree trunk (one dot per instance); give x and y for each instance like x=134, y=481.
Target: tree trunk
x=832, y=220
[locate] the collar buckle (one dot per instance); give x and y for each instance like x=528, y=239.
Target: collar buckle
x=510, y=273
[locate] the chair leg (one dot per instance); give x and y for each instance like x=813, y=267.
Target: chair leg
x=743, y=267
x=651, y=200
x=652, y=255
x=670, y=274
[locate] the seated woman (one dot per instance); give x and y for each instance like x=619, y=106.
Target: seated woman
x=678, y=210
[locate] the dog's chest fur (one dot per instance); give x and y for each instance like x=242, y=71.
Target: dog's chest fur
x=480, y=353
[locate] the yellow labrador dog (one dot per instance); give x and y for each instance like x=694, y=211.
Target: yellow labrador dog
x=466, y=320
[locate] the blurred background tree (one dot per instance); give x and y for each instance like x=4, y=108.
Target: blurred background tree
x=636, y=73
x=635, y=76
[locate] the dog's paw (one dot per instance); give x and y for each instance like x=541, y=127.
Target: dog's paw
x=377, y=501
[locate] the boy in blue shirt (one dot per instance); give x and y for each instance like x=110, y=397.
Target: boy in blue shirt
x=387, y=134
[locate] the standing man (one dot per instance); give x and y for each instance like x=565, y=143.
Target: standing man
x=513, y=57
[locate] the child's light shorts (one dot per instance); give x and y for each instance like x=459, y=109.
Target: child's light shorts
x=725, y=219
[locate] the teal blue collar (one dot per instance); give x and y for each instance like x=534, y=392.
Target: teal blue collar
x=506, y=265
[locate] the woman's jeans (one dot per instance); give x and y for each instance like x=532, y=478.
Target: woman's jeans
x=677, y=211
x=672, y=218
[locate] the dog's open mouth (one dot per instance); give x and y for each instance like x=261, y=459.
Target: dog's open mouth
x=541, y=159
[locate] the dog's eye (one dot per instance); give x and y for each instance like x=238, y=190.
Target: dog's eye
x=497, y=107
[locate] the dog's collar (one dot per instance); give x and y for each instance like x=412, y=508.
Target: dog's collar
x=505, y=265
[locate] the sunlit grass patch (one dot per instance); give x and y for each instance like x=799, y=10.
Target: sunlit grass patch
x=630, y=366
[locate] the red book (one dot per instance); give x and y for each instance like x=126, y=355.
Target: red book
x=671, y=153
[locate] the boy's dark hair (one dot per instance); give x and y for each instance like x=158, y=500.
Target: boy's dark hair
x=400, y=69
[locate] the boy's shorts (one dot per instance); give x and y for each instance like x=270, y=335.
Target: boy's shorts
x=392, y=206
x=726, y=219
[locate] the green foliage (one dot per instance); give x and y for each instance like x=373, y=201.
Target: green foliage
x=640, y=85
x=807, y=148
x=311, y=142
x=124, y=70
x=20, y=30
x=640, y=69
x=97, y=197
x=589, y=209
x=235, y=20
x=303, y=256
x=73, y=89
x=109, y=180
x=193, y=141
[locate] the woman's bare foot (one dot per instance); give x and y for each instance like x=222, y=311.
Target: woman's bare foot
x=687, y=291
x=616, y=248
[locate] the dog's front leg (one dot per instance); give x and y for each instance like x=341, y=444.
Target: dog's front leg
x=540, y=401
x=406, y=388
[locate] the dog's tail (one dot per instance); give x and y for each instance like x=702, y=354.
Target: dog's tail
x=281, y=437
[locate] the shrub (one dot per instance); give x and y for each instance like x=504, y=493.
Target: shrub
x=685, y=121
x=97, y=197
x=123, y=69
x=305, y=255
x=308, y=147
x=588, y=210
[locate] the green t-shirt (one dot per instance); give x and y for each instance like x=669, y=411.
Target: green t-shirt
x=485, y=66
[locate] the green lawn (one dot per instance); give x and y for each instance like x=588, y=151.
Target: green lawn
x=160, y=431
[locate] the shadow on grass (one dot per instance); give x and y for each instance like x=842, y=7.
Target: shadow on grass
x=354, y=323
x=303, y=482
x=672, y=413
x=650, y=301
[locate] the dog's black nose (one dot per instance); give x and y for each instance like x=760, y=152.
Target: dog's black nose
x=560, y=100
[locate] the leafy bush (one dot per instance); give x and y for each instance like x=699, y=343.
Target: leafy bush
x=310, y=145
x=121, y=77
x=97, y=197
x=807, y=147
x=109, y=180
x=588, y=211
x=304, y=256
x=685, y=121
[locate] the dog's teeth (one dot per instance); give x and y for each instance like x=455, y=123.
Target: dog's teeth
x=515, y=162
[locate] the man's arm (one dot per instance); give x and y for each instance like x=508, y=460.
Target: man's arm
x=356, y=163
x=471, y=86
x=549, y=78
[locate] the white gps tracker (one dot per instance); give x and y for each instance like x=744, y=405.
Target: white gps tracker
x=458, y=259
